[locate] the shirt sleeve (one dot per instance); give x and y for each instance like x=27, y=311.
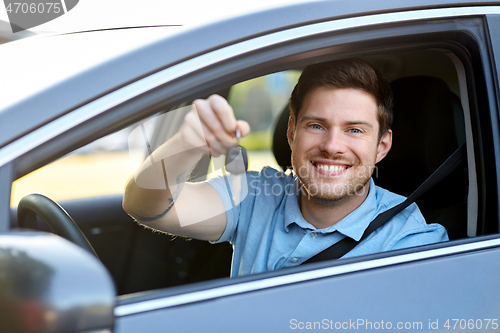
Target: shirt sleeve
x=223, y=187
x=413, y=230
x=428, y=234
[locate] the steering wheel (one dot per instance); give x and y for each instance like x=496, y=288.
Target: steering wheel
x=35, y=204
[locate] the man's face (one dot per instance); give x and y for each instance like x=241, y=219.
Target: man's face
x=335, y=143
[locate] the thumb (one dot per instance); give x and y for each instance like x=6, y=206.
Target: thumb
x=243, y=126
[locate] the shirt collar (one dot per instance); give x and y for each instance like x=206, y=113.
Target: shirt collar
x=292, y=210
x=353, y=225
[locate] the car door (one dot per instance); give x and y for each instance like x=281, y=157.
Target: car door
x=447, y=286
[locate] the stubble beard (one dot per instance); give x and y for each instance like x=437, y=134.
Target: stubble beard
x=335, y=190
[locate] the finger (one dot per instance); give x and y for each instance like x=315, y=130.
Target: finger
x=197, y=135
x=211, y=121
x=192, y=132
x=219, y=148
x=211, y=142
x=244, y=127
x=224, y=113
x=215, y=146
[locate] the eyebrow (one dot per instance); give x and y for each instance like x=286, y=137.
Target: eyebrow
x=349, y=123
x=305, y=118
x=359, y=122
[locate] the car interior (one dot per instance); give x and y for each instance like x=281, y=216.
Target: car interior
x=428, y=127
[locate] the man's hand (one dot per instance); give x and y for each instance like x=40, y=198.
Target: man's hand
x=210, y=127
x=218, y=126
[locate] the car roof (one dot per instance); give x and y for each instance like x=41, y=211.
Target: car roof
x=46, y=77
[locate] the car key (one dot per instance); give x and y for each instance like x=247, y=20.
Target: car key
x=236, y=164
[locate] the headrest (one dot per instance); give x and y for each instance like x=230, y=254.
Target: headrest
x=424, y=133
x=281, y=149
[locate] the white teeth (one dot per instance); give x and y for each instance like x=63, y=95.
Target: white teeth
x=331, y=168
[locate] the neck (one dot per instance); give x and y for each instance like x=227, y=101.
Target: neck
x=322, y=213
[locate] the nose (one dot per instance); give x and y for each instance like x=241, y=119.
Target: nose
x=333, y=143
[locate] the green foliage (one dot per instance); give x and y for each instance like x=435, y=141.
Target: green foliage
x=261, y=140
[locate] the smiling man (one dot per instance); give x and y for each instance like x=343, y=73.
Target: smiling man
x=335, y=147
x=339, y=128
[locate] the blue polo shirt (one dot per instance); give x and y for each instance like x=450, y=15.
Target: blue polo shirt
x=268, y=231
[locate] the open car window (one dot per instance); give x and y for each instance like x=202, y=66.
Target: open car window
x=97, y=169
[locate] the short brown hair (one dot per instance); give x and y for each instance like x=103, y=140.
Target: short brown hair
x=348, y=73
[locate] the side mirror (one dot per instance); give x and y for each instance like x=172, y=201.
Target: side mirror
x=48, y=284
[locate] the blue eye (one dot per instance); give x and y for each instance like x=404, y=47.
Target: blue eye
x=355, y=130
x=315, y=126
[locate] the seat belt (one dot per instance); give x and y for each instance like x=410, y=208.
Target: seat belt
x=345, y=245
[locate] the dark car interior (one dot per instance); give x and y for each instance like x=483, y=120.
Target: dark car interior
x=428, y=127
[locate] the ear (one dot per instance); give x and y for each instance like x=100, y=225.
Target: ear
x=384, y=145
x=290, y=133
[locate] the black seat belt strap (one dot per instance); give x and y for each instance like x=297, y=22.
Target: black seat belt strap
x=345, y=245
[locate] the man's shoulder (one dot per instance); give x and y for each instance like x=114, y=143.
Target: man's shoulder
x=270, y=182
x=272, y=174
x=408, y=226
x=386, y=199
x=265, y=187
x=411, y=216
x=266, y=173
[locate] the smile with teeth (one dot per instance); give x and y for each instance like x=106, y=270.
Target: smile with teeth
x=331, y=168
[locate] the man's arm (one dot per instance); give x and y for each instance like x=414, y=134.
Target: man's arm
x=189, y=209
